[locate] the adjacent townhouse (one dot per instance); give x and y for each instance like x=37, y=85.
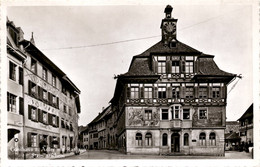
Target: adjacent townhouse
x=47, y=101
x=246, y=128
x=15, y=82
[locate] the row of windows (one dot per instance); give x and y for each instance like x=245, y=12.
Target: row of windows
x=148, y=139
x=176, y=113
x=42, y=94
x=42, y=116
x=66, y=125
x=45, y=76
x=34, y=140
x=175, y=67
x=33, y=68
x=173, y=92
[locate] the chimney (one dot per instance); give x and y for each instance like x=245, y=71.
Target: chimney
x=32, y=39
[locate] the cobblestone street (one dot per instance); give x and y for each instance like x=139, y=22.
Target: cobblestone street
x=111, y=154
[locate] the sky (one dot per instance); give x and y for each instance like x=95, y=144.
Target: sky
x=61, y=32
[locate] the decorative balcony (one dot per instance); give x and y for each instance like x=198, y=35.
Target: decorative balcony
x=176, y=123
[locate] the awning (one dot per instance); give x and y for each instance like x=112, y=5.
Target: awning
x=11, y=133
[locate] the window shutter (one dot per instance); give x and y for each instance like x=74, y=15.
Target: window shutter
x=8, y=105
x=29, y=141
x=29, y=112
x=155, y=66
x=222, y=92
x=196, y=90
x=142, y=92
x=40, y=115
x=50, y=119
x=20, y=76
x=196, y=66
x=182, y=90
x=39, y=92
x=168, y=65
x=37, y=115
x=30, y=87
x=128, y=92
x=155, y=94
x=58, y=103
x=58, y=123
x=21, y=106
x=209, y=92
x=183, y=66
x=10, y=70
x=169, y=92
x=49, y=98
x=58, y=142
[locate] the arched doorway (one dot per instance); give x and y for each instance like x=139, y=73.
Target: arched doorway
x=175, y=142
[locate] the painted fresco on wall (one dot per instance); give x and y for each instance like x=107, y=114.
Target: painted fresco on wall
x=136, y=118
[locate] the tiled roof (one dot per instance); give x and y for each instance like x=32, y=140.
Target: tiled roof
x=232, y=135
x=161, y=48
x=248, y=113
x=140, y=66
x=101, y=115
x=207, y=66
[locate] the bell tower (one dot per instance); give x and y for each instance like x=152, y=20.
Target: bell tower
x=168, y=27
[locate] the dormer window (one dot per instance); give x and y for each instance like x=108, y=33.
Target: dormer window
x=13, y=35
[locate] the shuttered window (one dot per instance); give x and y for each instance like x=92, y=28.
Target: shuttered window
x=161, y=67
x=11, y=102
x=161, y=92
x=12, y=71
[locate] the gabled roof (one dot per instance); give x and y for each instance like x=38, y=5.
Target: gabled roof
x=101, y=115
x=160, y=48
x=35, y=52
x=248, y=113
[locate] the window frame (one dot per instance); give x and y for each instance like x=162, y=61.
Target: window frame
x=212, y=139
x=188, y=93
x=165, y=139
x=161, y=93
x=216, y=93
x=138, y=139
x=163, y=113
x=189, y=67
x=148, y=139
x=184, y=112
x=148, y=114
x=186, y=139
x=161, y=67
x=203, y=92
x=44, y=74
x=175, y=67
x=202, y=139
x=205, y=114
x=148, y=92
x=33, y=65
x=11, y=102
x=53, y=81
x=175, y=92
x=134, y=92
x=12, y=71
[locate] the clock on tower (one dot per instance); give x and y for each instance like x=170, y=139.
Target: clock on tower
x=168, y=27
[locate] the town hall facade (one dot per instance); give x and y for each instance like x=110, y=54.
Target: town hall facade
x=172, y=100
